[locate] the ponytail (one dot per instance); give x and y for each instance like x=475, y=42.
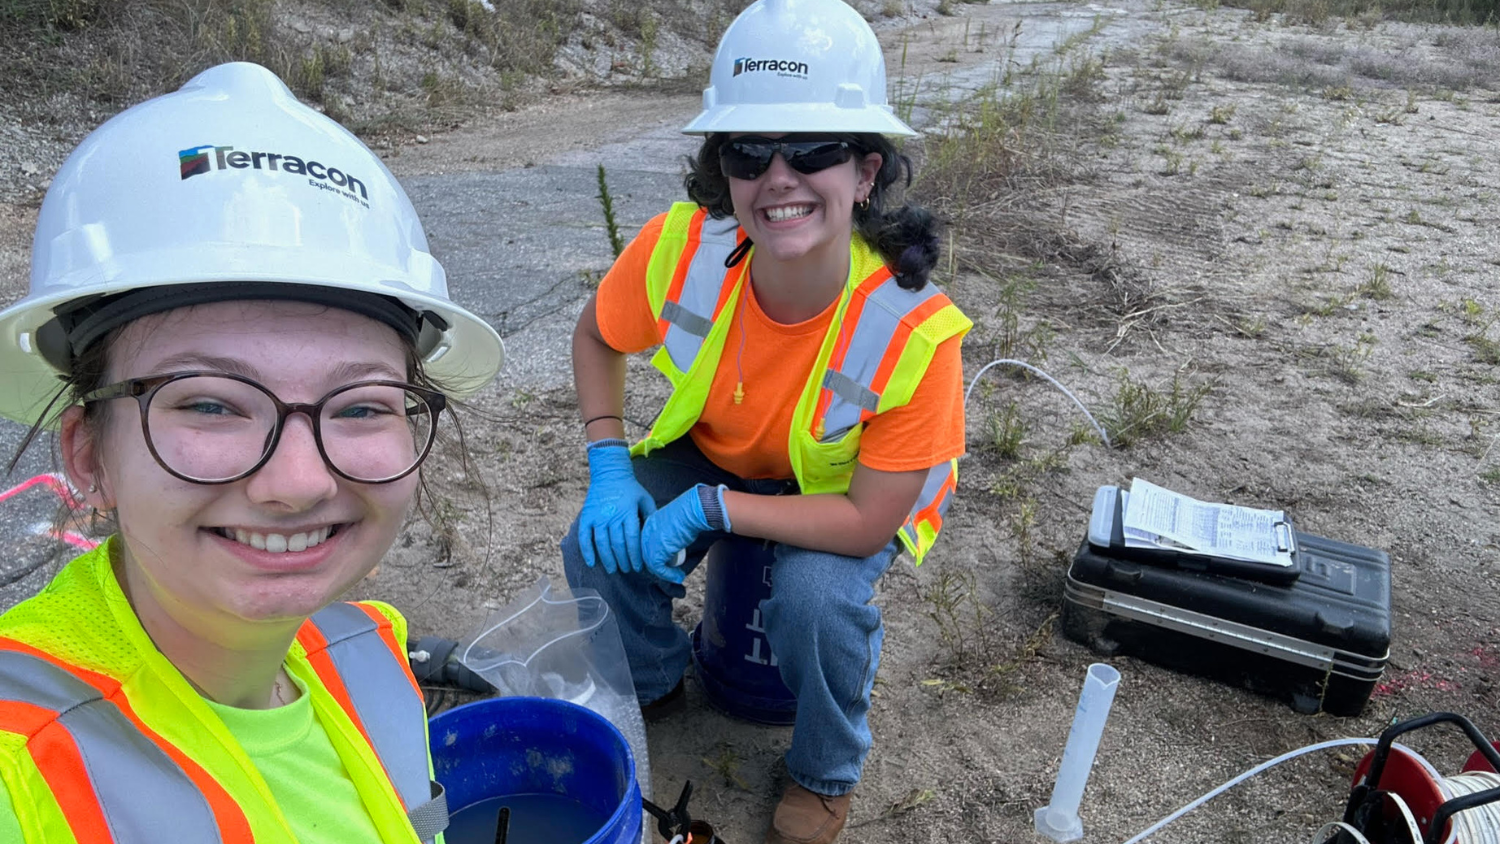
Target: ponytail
x=906, y=237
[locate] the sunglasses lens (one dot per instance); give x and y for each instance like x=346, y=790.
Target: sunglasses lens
x=745, y=159
x=749, y=158
x=811, y=156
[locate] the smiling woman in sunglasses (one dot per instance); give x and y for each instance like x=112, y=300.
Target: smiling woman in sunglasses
x=250, y=334
x=817, y=385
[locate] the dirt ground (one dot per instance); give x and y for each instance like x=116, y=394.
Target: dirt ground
x=1298, y=219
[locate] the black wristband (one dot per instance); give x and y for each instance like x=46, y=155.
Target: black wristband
x=712, y=499
x=605, y=416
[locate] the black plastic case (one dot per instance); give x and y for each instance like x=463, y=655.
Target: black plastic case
x=1320, y=642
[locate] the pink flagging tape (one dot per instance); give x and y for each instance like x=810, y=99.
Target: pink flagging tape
x=59, y=486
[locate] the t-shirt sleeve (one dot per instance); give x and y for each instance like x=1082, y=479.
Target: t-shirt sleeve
x=929, y=429
x=621, y=306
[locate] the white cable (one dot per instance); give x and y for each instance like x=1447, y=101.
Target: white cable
x=1344, y=742
x=1053, y=381
x=1481, y=824
x=1322, y=837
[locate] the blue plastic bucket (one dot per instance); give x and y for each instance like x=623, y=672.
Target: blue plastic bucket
x=731, y=653
x=553, y=763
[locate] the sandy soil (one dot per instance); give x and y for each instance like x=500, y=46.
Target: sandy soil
x=1305, y=233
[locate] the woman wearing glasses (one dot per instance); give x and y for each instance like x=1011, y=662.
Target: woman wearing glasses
x=239, y=301
x=808, y=354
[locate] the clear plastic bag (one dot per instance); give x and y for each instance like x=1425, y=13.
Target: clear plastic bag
x=553, y=643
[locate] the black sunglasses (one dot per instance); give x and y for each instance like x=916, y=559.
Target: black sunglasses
x=748, y=157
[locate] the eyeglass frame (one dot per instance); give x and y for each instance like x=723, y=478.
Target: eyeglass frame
x=143, y=390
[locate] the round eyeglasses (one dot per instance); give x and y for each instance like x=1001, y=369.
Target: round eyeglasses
x=217, y=428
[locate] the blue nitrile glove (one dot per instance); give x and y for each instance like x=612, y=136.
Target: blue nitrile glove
x=609, y=526
x=674, y=527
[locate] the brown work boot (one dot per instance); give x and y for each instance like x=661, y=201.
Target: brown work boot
x=805, y=817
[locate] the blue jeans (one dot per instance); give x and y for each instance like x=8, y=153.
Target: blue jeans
x=819, y=622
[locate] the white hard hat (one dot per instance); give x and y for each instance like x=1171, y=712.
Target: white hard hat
x=797, y=66
x=228, y=188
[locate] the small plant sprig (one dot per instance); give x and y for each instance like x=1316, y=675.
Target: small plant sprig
x=1137, y=411
x=606, y=202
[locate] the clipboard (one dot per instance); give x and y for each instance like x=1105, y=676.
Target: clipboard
x=1107, y=537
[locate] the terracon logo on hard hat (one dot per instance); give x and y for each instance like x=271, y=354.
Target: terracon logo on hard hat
x=781, y=67
x=197, y=161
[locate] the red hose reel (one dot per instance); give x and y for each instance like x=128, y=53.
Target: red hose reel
x=1400, y=798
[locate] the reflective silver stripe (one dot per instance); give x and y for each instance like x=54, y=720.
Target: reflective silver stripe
x=700, y=292
x=686, y=320
x=883, y=311
x=146, y=798
x=850, y=390
x=937, y=478
x=391, y=712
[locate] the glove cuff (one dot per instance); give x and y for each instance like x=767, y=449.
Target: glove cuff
x=606, y=443
x=712, y=499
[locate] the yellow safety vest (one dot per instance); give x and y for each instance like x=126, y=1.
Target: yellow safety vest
x=876, y=351
x=103, y=741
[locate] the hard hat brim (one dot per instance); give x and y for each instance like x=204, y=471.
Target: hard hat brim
x=798, y=117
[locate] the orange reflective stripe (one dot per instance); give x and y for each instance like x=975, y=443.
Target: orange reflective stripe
x=388, y=635
x=897, y=345
x=933, y=513
x=106, y=684
x=316, y=645
x=684, y=261
x=234, y=827
x=847, y=327
x=317, y=655
x=727, y=285
x=61, y=764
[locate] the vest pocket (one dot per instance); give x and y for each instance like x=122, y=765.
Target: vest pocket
x=828, y=466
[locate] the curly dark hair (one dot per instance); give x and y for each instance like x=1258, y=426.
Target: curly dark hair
x=907, y=238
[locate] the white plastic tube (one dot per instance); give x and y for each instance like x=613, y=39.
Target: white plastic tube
x=1059, y=820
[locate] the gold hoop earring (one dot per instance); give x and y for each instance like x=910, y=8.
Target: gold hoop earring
x=863, y=206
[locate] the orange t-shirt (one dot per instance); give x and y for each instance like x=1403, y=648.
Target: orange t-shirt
x=773, y=361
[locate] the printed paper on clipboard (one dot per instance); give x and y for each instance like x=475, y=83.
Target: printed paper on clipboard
x=1157, y=518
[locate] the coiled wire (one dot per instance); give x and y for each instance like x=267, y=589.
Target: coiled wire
x=1481, y=824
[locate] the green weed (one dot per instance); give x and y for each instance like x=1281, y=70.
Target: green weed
x=963, y=621
x=1470, y=309
x=1138, y=411
x=606, y=202
x=1378, y=286
x=727, y=765
x=1005, y=432
x=1346, y=363
x=1486, y=349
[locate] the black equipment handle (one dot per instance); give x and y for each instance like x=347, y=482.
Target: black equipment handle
x=1371, y=780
